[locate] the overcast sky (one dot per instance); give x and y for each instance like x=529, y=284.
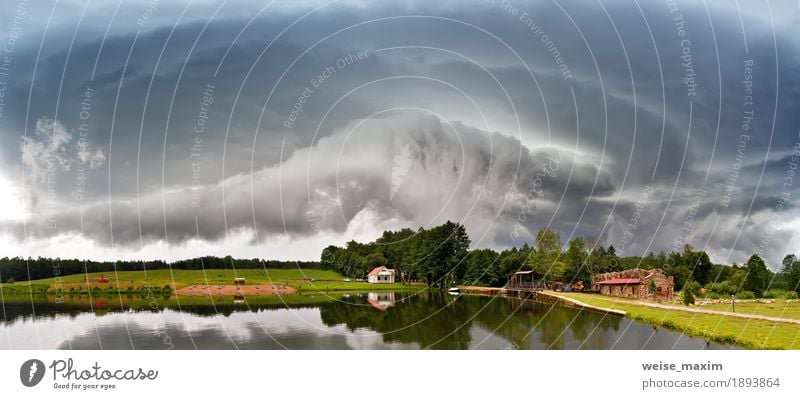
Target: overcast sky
x=171, y=129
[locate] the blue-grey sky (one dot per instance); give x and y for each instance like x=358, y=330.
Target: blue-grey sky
x=168, y=129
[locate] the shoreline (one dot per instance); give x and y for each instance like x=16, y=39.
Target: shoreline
x=709, y=325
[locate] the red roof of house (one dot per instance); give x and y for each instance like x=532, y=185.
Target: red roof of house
x=378, y=269
x=621, y=281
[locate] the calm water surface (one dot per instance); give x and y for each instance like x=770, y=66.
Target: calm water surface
x=354, y=321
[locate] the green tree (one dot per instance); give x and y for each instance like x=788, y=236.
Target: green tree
x=548, y=241
x=442, y=254
x=791, y=272
x=690, y=290
x=374, y=260
x=698, y=263
x=757, y=278
x=483, y=268
x=575, y=259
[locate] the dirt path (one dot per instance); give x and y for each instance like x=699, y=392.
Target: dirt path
x=718, y=312
x=680, y=309
x=227, y=290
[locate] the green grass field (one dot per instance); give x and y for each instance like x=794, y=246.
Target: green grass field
x=749, y=333
x=325, y=280
x=781, y=308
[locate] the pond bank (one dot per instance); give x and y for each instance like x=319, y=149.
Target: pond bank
x=747, y=330
x=552, y=297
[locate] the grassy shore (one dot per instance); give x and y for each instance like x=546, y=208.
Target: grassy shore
x=748, y=333
x=136, y=281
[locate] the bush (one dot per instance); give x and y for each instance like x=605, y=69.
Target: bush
x=774, y=293
x=791, y=295
x=10, y=281
x=746, y=295
x=690, y=291
x=722, y=288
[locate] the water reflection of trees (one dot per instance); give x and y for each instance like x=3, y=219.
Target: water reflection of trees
x=438, y=321
x=429, y=319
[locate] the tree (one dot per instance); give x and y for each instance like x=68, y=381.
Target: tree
x=483, y=268
x=548, y=241
x=791, y=272
x=757, y=278
x=690, y=290
x=442, y=254
x=700, y=265
x=328, y=258
x=575, y=259
x=374, y=260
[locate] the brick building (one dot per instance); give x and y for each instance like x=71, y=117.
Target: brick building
x=635, y=283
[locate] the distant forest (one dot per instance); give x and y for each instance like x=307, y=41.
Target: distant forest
x=20, y=269
x=441, y=256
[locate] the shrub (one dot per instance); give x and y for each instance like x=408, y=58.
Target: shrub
x=722, y=288
x=10, y=281
x=746, y=295
x=774, y=293
x=791, y=295
x=690, y=291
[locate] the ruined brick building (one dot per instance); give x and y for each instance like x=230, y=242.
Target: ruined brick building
x=651, y=284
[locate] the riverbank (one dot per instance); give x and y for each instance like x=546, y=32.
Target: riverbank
x=257, y=282
x=749, y=330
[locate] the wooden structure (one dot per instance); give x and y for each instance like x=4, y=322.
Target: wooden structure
x=528, y=281
x=239, y=281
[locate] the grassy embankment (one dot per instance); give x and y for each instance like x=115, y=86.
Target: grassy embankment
x=748, y=333
x=155, y=280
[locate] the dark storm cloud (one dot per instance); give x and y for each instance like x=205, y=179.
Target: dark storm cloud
x=625, y=127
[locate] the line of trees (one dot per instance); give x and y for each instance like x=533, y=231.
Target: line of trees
x=436, y=255
x=440, y=257
x=21, y=269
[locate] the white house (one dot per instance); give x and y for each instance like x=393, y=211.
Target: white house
x=381, y=274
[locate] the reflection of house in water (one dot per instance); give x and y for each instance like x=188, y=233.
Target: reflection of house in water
x=381, y=301
x=237, y=299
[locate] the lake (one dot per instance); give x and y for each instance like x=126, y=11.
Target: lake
x=386, y=320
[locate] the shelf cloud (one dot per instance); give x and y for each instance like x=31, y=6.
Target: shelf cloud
x=646, y=125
